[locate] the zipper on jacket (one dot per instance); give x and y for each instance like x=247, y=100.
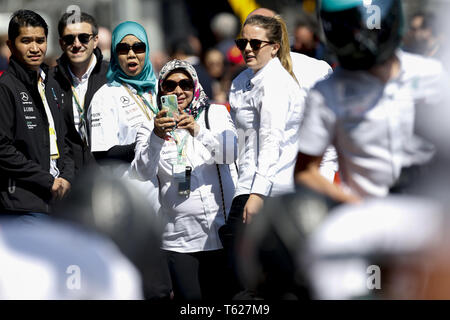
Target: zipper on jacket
x=11, y=186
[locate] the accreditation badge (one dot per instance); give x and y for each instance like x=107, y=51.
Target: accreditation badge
x=179, y=171
x=54, y=152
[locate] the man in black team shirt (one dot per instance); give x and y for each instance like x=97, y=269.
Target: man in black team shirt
x=35, y=168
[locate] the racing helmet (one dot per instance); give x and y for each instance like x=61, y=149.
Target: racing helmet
x=362, y=33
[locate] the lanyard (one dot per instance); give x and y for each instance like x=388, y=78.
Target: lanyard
x=180, y=144
x=143, y=104
x=80, y=107
x=54, y=152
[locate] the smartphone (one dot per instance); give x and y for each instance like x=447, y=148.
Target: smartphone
x=184, y=188
x=170, y=103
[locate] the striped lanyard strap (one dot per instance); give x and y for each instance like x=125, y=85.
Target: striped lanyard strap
x=54, y=152
x=181, y=143
x=82, y=126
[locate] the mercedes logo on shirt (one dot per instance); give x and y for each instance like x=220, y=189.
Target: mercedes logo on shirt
x=124, y=100
x=24, y=96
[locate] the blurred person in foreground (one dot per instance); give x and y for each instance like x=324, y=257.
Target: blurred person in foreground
x=35, y=167
x=366, y=109
x=102, y=244
x=80, y=72
x=189, y=154
x=390, y=248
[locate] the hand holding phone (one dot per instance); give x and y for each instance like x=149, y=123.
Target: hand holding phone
x=169, y=102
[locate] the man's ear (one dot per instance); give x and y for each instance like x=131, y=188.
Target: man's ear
x=10, y=45
x=95, y=41
x=61, y=44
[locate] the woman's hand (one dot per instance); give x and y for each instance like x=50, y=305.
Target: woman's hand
x=188, y=122
x=163, y=124
x=253, y=205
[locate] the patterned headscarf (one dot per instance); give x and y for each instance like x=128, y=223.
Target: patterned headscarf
x=199, y=100
x=144, y=81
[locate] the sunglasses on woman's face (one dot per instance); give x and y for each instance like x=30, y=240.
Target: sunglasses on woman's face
x=124, y=48
x=84, y=38
x=255, y=44
x=170, y=85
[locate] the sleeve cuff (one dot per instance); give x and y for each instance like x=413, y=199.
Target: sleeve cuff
x=261, y=185
x=155, y=140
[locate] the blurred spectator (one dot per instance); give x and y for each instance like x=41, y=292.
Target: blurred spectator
x=225, y=27
x=215, y=65
x=51, y=60
x=104, y=42
x=5, y=53
x=307, y=40
x=158, y=59
x=187, y=48
x=423, y=36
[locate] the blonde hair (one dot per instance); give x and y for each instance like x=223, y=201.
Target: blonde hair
x=276, y=31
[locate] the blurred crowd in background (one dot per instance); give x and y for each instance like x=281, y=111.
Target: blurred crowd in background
x=204, y=34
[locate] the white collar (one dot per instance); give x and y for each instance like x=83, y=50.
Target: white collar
x=88, y=71
x=258, y=76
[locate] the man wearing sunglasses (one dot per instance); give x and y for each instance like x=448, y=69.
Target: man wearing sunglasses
x=80, y=72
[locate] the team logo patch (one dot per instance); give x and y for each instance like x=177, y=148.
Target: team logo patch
x=125, y=100
x=24, y=96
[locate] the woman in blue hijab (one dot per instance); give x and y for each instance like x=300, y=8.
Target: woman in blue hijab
x=128, y=100
x=119, y=108
x=145, y=79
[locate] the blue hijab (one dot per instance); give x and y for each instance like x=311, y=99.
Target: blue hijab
x=146, y=80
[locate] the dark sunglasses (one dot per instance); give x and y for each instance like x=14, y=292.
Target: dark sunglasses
x=124, y=48
x=255, y=44
x=84, y=38
x=170, y=85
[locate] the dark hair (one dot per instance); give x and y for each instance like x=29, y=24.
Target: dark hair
x=84, y=17
x=24, y=18
x=276, y=31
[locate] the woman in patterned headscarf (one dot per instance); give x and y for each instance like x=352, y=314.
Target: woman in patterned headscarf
x=190, y=160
